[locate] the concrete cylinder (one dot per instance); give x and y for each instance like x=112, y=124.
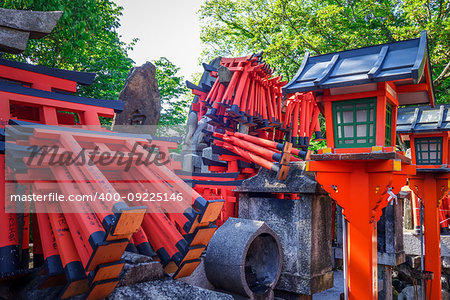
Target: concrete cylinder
x=244, y=257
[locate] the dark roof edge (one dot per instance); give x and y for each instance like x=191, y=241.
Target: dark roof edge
x=417, y=70
x=299, y=72
x=85, y=78
x=117, y=105
x=29, y=126
x=366, y=47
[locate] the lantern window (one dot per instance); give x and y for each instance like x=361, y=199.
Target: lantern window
x=388, y=131
x=354, y=123
x=428, y=150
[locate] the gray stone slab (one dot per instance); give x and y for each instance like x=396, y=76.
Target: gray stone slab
x=39, y=23
x=408, y=293
x=408, y=212
x=205, y=169
x=188, y=162
x=134, y=258
x=225, y=75
x=335, y=292
x=139, y=268
x=244, y=257
x=304, y=228
x=165, y=290
x=198, y=277
x=412, y=244
x=297, y=181
x=208, y=153
x=197, y=161
x=385, y=275
x=12, y=40
x=176, y=156
x=413, y=261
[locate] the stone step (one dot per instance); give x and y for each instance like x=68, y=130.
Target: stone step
x=165, y=290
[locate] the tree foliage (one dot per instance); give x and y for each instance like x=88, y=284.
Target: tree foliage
x=84, y=39
x=174, y=93
x=286, y=29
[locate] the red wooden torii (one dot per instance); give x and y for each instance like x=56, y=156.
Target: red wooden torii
x=43, y=95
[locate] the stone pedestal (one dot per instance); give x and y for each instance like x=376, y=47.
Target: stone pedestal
x=390, y=235
x=303, y=226
x=408, y=219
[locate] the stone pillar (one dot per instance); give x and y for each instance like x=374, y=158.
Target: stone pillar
x=302, y=223
x=408, y=222
x=385, y=275
x=390, y=235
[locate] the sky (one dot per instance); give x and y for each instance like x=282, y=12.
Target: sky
x=165, y=28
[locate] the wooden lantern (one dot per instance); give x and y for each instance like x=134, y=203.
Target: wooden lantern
x=359, y=92
x=427, y=130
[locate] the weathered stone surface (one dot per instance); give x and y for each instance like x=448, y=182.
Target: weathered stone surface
x=141, y=96
x=407, y=212
x=198, y=136
x=12, y=40
x=225, y=75
x=445, y=262
x=17, y=26
x=198, y=277
x=409, y=292
x=30, y=288
x=176, y=156
x=297, y=181
x=244, y=257
x=208, y=153
x=191, y=127
x=412, y=244
x=336, y=291
x=205, y=169
x=165, y=290
x=194, y=136
x=385, y=276
x=390, y=235
x=444, y=283
x=139, y=268
x=413, y=261
x=134, y=258
x=39, y=23
x=190, y=161
x=304, y=226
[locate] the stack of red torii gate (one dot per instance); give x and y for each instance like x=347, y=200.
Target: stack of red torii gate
x=244, y=93
x=81, y=250
x=250, y=95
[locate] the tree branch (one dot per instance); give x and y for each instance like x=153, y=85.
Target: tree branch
x=236, y=26
x=281, y=52
x=353, y=20
x=444, y=75
x=297, y=32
